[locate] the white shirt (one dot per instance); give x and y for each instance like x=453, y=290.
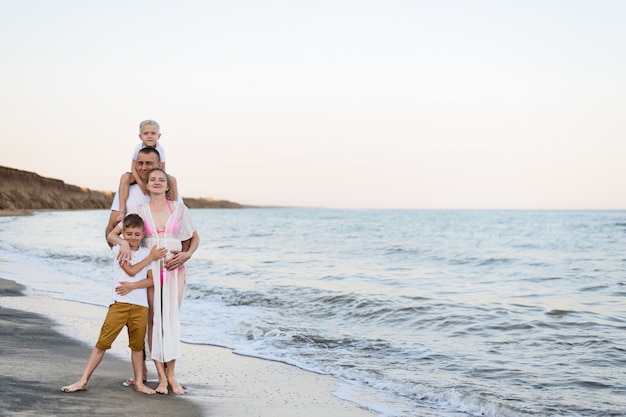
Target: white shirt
x=138, y=296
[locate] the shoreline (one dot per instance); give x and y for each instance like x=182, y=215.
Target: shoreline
x=218, y=381
x=37, y=358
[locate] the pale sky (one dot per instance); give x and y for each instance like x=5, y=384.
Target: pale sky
x=345, y=104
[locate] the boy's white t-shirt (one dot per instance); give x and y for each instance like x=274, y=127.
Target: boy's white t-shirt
x=160, y=149
x=138, y=296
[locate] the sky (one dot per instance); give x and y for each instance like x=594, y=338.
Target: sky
x=340, y=104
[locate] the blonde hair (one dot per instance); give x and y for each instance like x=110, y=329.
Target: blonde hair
x=167, y=177
x=149, y=123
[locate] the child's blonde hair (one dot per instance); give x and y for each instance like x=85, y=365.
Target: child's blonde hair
x=150, y=123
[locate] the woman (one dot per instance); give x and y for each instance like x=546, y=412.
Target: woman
x=167, y=224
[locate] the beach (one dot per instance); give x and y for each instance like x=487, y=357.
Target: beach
x=306, y=312
x=39, y=357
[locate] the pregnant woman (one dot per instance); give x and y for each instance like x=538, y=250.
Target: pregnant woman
x=167, y=224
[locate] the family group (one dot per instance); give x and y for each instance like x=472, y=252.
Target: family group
x=152, y=236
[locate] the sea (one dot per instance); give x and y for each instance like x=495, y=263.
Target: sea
x=437, y=313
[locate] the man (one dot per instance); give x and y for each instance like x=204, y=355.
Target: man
x=147, y=160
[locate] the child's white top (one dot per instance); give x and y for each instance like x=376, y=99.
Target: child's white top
x=137, y=296
x=160, y=149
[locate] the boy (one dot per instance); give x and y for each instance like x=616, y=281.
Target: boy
x=129, y=307
x=149, y=133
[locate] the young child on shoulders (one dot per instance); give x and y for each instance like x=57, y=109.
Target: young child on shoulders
x=149, y=134
x=129, y=306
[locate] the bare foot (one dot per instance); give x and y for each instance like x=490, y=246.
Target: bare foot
x=144, y=389
x=176, y=387
x=162, y=388
x=76, y=386
x=131, y=381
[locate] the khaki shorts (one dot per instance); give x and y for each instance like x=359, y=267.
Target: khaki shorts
x=123, y=314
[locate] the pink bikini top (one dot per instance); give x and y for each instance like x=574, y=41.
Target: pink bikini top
x=170, y=207
x=149, y=230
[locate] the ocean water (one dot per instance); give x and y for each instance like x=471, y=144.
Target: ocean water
x=431, y=313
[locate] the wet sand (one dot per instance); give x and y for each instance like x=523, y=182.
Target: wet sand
x=37, y=360
x=39, y=357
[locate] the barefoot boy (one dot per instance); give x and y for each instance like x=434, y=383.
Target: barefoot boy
x=129, y=307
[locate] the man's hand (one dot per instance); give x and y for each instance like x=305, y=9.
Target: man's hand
x=177, y=260
x=124, y=255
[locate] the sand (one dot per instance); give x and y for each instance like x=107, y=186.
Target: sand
x=45, y=343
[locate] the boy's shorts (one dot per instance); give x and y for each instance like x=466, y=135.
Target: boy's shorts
x=133, y=316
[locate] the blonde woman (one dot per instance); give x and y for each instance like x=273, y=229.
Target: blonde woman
x=167, y=225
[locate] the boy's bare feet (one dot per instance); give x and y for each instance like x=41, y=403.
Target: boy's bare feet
x=176, y=387
x=76, y=386
x=144, y=389
x=162, y=388
x=131, y=381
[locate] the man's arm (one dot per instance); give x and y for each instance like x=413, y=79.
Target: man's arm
x=114, y=238
x=111, y=225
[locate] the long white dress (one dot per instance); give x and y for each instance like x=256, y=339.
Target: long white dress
x=166, y=321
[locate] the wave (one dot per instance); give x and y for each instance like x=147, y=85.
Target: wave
x=452, y=313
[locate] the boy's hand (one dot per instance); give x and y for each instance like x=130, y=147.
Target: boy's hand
x=124, y=288
x=157, y=253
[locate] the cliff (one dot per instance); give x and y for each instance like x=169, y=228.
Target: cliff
x=23, y=190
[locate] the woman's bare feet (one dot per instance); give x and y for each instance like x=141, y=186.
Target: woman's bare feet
x=144, y=389
x=176, y=387
x=76, y=386
x=162, y=388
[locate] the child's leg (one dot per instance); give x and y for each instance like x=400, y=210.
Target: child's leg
x=137, y=328
x=150, y=315
x=144, y=373
x=115, y=320
x=173, y=192
x=92, y=363
x=125, y=181
x=138, y=364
